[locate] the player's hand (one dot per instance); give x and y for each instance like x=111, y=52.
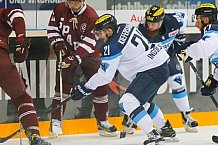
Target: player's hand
x=61, y=47
x=181, y=51
x=69, y=61
x=21, y=50
x=183, y=57
x=80, y=91
x=210, y=86
x=180, y=38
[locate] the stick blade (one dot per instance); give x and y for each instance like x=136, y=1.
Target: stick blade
x=215, y=138
x=122, y=134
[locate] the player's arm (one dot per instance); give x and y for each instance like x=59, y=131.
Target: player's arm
x=205, y=47
x=182, y=20
x=87, y=44
x=104, y=75
x=55, y=38
x=15, y=19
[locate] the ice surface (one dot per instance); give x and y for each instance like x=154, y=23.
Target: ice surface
x=203, y=137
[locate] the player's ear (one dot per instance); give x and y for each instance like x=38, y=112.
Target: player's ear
x=110, y=32
x=206, y=20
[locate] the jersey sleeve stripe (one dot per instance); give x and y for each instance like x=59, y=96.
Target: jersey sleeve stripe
x=56, y=41
x=211, y=31
x=168, y=40
x=112, y=57
x=90, y=40
x=50, y=35
x=53, y=28
x=87, y=48
x=16, y=15
x=14, y=11
x=214, y=60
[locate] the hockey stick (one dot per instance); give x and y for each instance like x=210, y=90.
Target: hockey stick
x=202, y=82
x=215, y=138
x=21, y=135
x=61, y=89
x=4, y=139
x=124, y=126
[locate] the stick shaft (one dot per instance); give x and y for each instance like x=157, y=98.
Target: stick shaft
x=202, y=82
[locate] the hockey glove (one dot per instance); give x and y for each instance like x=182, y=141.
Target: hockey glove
x=181, y=51
x=80, y=91
x=63, y=48
x=210, y=86
x=21, y=50
x=180, y=38
x=70, y=61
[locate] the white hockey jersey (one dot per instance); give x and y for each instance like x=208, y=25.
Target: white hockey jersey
x=129, y=52
x=207, y=46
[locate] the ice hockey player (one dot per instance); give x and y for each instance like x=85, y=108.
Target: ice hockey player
x=10, y=79
x=70, y=31
x=168, y=29
x=207, y=46
x=145, y=66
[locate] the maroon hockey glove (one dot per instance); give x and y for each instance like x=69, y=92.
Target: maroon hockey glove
x=21, y=50
x=63, y=48
x=70, y=61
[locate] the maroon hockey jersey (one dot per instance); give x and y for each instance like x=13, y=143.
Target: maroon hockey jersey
x=75, y=31
x=11, y=19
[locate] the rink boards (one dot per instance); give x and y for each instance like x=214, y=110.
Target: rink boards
x=85, y=126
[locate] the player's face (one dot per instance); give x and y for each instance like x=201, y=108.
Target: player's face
x=101, y=35
x=75, y=5
x=154, y=26
x=198, y=23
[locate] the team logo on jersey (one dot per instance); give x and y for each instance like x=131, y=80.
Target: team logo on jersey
x=173, y=33
x=104, y=66
x=178, y=79
x=163, y=37
x=83, y=27
x=178, y=67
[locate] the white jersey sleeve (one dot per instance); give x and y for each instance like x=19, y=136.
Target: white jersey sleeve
x=105, y=73
x=205, y=47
